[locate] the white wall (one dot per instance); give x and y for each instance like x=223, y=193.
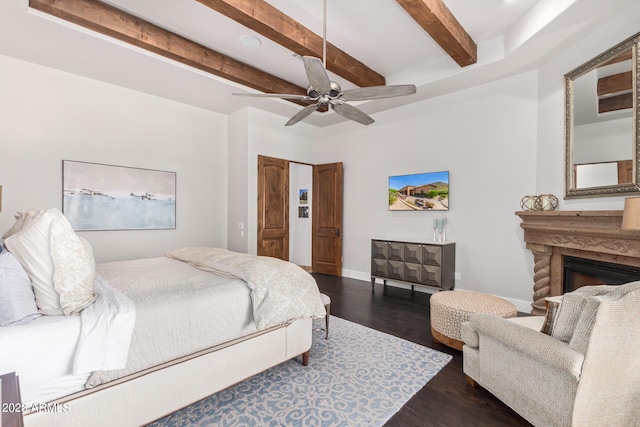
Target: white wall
x=238, y=181
x=300, y=177
x=486, y=138
x=607, y=141
x=48, y=115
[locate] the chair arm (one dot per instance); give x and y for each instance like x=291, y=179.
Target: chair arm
x=534, y=344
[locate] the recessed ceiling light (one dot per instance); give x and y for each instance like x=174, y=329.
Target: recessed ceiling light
x=250, y=41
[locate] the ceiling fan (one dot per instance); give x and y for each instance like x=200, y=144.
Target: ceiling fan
x=323, y=92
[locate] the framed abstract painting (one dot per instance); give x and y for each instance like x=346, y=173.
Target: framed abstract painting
x=105, y=197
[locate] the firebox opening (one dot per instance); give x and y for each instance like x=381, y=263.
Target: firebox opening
x=579, y=272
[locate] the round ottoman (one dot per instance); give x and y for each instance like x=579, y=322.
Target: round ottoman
x=449, y=309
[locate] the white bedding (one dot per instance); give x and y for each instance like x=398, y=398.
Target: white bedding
x=45, y=359
x=280, y=291
x=72, y=346
x=107, y=327
x=179, y=310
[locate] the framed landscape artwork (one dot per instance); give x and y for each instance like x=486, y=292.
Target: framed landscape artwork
x=106, y=197
x=419, y=192
x=304, y=196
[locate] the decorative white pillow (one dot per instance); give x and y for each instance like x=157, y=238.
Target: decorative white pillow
x=23, y=219
x=17, y=302
x=59, y=263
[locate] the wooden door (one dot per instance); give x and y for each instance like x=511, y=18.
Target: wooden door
x=327, y=219
x=273, y=207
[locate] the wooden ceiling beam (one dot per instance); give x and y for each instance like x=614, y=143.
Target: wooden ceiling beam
x=615, y=83
x=615, y=103
x=107, y=20
x=624, y=56
x=437, y=20
x=261, y=17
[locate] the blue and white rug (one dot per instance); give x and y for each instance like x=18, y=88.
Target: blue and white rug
x=358, y=377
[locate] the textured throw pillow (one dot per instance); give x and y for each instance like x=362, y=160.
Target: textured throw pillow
x=571, y=310
x=61, y=267
x=582, y=334
x=17, y=302
x=553, y=306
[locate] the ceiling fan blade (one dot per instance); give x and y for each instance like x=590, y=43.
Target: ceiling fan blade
x=317, y=75
x=276, y=95
x=302, y=114
x=352, y=113
x=377, y=92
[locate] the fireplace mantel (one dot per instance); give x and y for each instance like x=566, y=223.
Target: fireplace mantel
x=595, y=235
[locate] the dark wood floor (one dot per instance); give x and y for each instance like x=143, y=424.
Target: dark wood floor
x=446, y=400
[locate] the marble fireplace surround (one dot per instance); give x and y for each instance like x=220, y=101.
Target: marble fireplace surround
x=594, y=235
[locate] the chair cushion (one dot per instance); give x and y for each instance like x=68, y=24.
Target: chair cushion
x=571, y=309
x=580, y=339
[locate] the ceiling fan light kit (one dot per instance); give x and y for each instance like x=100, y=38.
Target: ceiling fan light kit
x=322, y=92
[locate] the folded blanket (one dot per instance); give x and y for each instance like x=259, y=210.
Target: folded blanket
x=280, y=291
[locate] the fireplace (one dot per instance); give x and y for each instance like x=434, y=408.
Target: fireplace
x=595, y=237
x=579, y=272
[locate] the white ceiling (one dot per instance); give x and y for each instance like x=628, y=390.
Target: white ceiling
x=512, y=36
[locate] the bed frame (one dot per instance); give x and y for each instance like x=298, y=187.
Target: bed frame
x=144, y=397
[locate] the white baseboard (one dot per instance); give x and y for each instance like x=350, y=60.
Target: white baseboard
x=522, y=306
x=354, y=274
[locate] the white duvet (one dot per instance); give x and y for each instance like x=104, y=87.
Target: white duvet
x=180, y=310
x=54, y=355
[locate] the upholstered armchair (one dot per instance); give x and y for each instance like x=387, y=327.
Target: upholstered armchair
x=585, y=372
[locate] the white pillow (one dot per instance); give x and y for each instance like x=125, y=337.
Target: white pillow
x=23, y=219
x=60, y=265
x=17, y=302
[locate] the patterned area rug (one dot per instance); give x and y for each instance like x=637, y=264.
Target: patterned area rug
x=358, y=377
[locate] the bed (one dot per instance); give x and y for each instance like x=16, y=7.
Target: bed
x=154, y=335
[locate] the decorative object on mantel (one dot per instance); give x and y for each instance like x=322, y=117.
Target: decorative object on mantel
x=546, y=202
x=631, y=214
x=543, y=202
x=528, y=203
x=439, y=232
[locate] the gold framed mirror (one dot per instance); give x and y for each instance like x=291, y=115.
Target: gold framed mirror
x=602, y=117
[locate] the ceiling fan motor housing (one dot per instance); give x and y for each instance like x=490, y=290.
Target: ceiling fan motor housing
x=334, y=92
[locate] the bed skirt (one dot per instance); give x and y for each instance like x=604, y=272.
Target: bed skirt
x=149, y=395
